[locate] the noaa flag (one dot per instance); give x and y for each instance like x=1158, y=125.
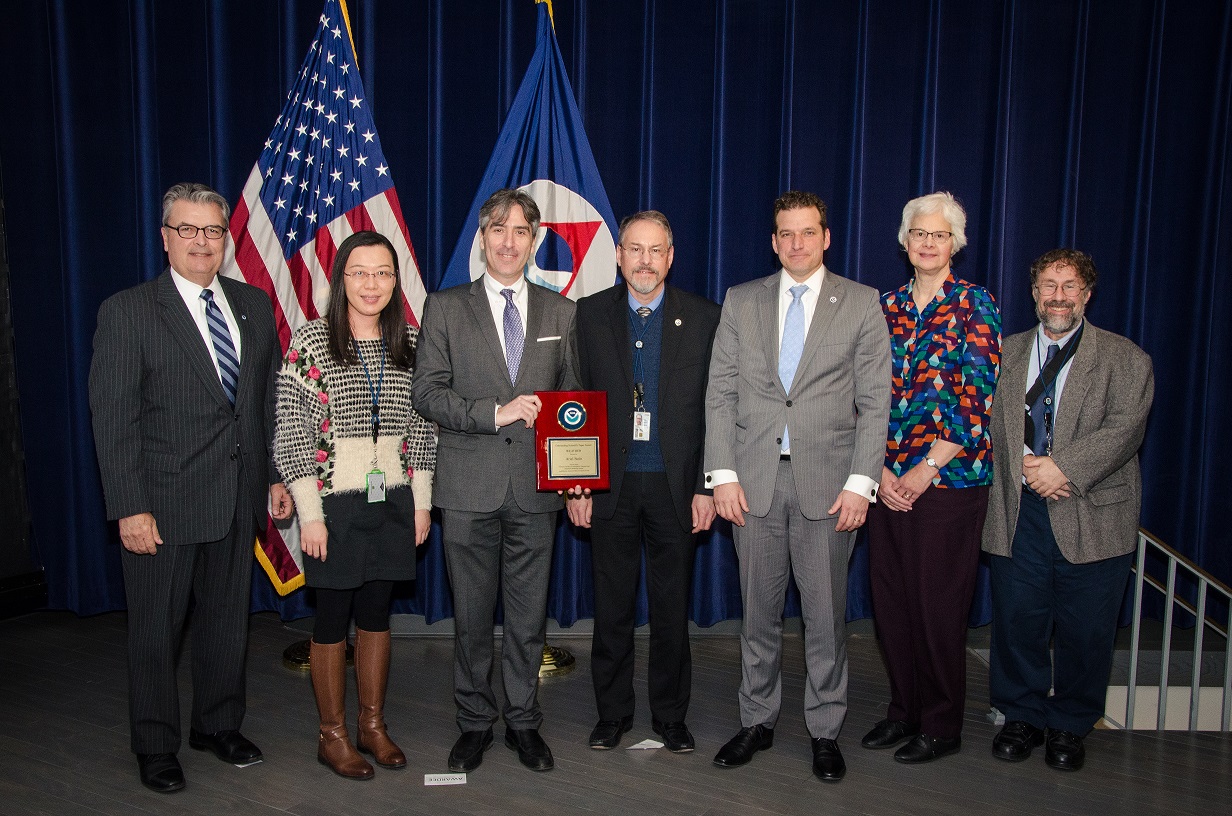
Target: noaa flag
x=543, y=150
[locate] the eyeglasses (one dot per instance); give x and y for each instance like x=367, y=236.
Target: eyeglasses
x=940, y=236
x=380, y=275
x=1049, y=288
x=189, y=231
x=655, y=252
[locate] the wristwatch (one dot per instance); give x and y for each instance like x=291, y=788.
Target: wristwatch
x=932, y=463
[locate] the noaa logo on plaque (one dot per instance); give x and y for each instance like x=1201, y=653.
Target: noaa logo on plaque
x=571, y=416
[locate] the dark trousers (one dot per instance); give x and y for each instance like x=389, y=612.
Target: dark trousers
x=1037, y=595
x=508, y=551
x=217, y=576
x=644, y=511
x=923, y=565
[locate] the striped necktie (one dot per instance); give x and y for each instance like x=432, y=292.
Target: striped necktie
x=224, y=350
x=792, y=346
x=515, y=337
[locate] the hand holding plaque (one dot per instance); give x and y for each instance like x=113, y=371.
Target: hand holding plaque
x=571, y=440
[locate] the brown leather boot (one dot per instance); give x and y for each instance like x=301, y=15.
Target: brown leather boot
x=334, y=749
x=372, y=673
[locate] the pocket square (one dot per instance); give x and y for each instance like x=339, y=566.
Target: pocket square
x=545, y=339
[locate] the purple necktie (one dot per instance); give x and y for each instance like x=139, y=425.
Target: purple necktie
x=515, y=337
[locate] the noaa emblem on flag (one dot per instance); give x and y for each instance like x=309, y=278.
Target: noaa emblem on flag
x=571, y=416
x=570, y=222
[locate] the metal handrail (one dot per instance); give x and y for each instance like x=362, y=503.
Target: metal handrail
x=1206, y=583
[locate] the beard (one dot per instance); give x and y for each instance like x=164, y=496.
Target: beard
x=1063, y=323
x=644, y=286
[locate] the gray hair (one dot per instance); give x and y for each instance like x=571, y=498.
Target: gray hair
x=496, y=209
x=195, y=193
x=942, y=203
x=653, y=216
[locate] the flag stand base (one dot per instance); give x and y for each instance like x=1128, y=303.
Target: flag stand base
x=296, y=656
x=556, y=661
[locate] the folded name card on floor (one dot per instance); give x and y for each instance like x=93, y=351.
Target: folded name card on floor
x=645, y=744
x=445, y=779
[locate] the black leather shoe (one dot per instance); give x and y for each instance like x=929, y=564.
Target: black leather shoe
x=533, y=752
x=924, y=748
x=229, y=746
x=676, y=736
x=607, y=733
x=828, y=764
x=467, y=752
x=1063, y=750
x=161, y=773
x=740, y=748
x=888, y=733
x=1015, y=741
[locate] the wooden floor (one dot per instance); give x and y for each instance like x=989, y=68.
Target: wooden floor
x=64, y=745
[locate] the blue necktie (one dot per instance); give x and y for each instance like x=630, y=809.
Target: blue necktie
x=515, y=337
x=224, y=350
x=792, y=346
x=1039, y=444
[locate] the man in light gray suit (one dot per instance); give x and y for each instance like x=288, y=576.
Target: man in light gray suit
x=484, y=349
x=796, y=415
x=1062, y=520
x=181, y=392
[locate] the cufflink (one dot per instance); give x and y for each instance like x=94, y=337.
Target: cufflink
x=709, y=479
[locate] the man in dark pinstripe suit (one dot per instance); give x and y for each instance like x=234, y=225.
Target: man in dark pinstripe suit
x=180, y=392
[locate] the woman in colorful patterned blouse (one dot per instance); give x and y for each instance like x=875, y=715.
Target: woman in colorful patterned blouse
x=358, y=460
x=924, y=532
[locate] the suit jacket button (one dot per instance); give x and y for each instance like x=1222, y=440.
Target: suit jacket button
x=779, y=441
x=233, y=457
x=508, y=441
x=788, y=403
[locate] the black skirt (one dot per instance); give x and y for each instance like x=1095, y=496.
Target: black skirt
x=367, y=542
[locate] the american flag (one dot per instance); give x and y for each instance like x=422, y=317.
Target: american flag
x=320, y=177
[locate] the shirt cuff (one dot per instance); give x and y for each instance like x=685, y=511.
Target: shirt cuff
x=720, y=476
x=862, y=486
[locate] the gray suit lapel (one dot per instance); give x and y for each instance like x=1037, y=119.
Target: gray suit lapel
x=183, y=330
x=1076, y=383
x=768, y=317
x=1012, y=389
x=481, y=313
x=829, y=300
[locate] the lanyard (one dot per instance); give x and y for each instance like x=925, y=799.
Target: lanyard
x=639, y=387
x=374, y=391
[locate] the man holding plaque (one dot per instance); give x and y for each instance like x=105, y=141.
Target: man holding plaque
x=796, y=414
x=648, y=346
x=484, y=349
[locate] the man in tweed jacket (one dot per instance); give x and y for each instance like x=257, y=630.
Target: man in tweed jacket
x=1063, y=513
x=182, y=431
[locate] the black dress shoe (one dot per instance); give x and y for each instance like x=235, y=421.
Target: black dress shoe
x=828, y=764
x=161, y=773
x=676, y=736
x=740, y=748
x=533, y=752
x=467, y=752
x=229, y=746
x=888, y=733
x=924, y=748
x=607, y=733
x=1063, y=750
x=1015, y=741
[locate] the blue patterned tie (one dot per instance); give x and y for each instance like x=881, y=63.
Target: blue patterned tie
x=1039, y=445
x=224, y=350
x=793, y=345
x=515, y=337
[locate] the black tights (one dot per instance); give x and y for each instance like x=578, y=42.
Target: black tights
x=334, y=607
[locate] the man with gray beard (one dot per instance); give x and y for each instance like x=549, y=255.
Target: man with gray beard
x=1069, y=415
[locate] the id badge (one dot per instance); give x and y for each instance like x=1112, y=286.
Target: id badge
x=376, y=487
x=641, y=426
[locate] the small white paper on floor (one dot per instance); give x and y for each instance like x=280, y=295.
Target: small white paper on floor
x=645, y=744
x=445, y=779
x=247, y=764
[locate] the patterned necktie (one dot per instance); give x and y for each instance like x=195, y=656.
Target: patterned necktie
x=1039, y=443
x=643, y=312
x=224, y=350
x=515, y=336
x=793, y=344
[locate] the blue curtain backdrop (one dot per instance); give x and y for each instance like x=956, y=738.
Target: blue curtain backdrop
x=1084, y=123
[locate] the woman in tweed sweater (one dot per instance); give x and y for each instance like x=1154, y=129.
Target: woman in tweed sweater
x=358, y=460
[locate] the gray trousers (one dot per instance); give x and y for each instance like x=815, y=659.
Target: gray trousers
x=508, y=551
x=770, y=549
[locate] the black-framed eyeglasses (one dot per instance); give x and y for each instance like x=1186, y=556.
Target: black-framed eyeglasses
x=189, y=231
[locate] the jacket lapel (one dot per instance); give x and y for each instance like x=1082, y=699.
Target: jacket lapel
x=1077, y=380
x=768, y=317
x=670, y=343
x=248, y=372
x=829, y=300
x=617, y=318
x=183, y=331
x=481, y=313
x=1012, y=391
